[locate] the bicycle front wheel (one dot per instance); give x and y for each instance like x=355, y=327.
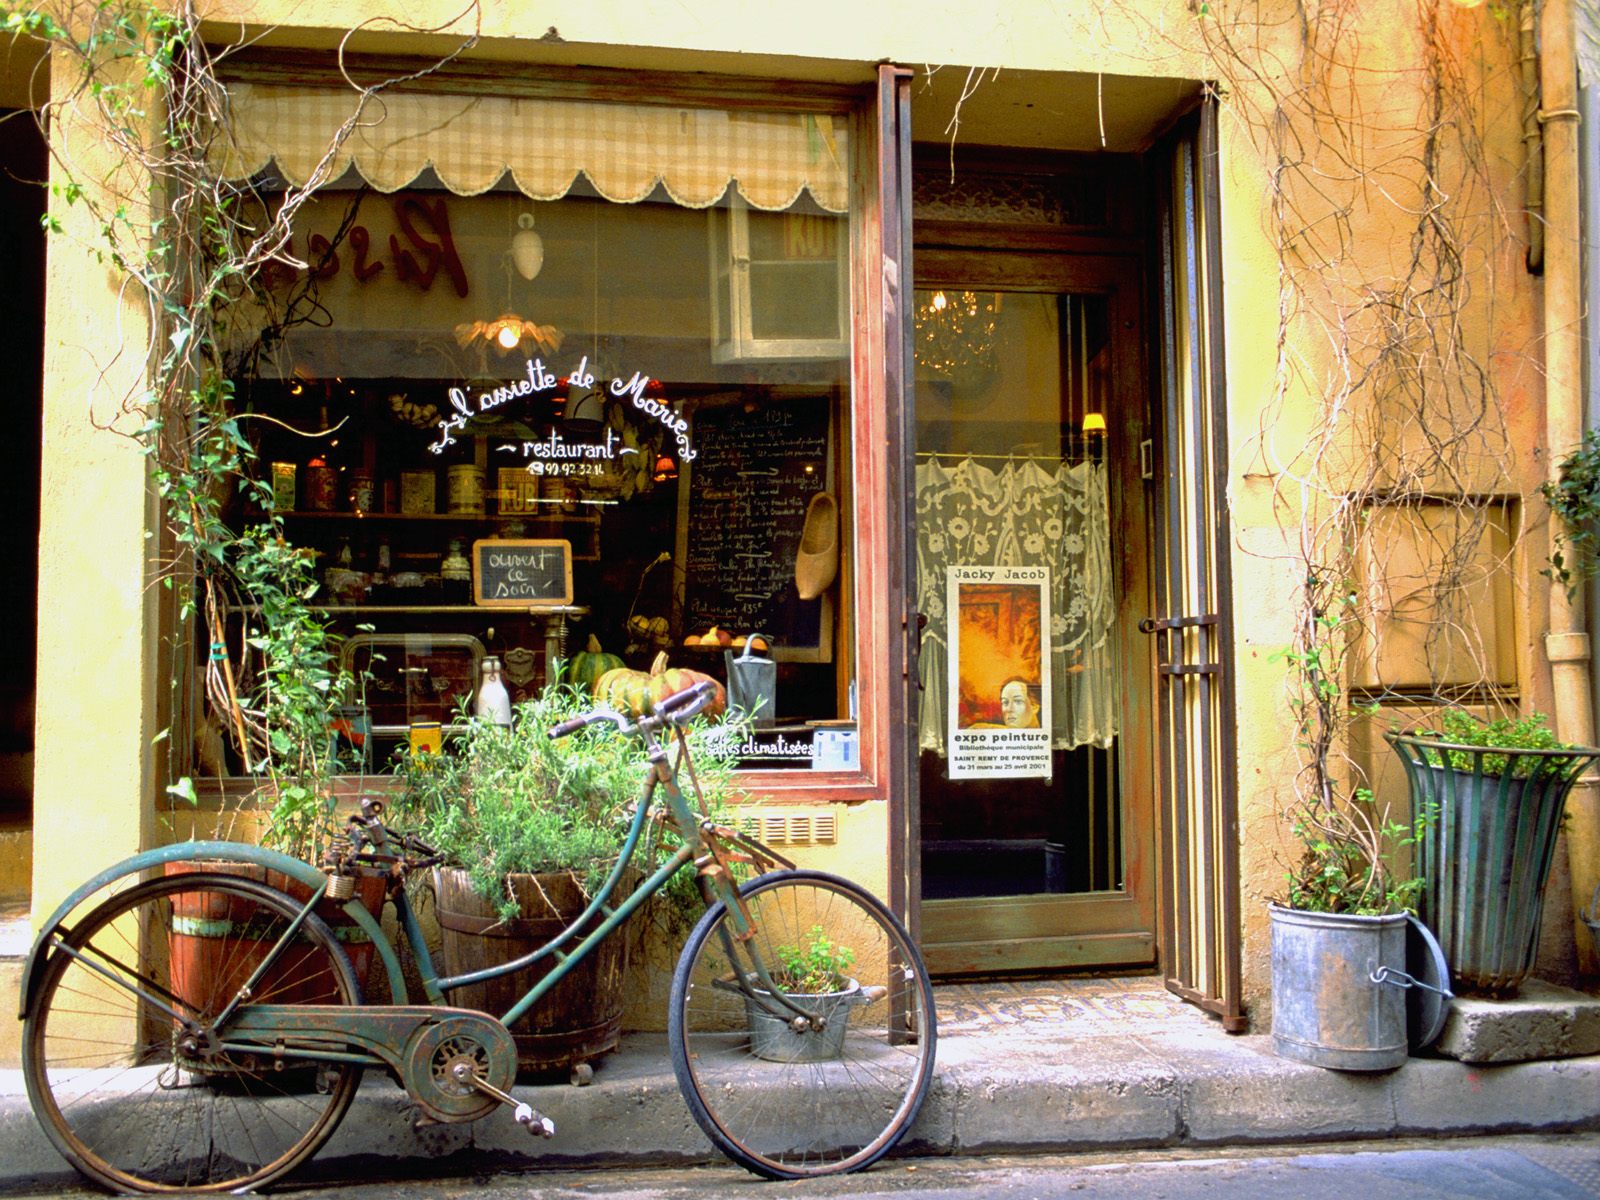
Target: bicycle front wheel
x=791, y=1098
x=127, y=1094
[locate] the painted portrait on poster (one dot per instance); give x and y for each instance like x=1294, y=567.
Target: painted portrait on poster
x=999, y=701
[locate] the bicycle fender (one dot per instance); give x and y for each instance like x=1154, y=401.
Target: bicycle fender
x=236, y=852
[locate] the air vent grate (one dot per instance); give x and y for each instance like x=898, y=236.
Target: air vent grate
x=790, y=828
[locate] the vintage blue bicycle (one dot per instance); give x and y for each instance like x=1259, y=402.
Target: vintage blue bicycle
x=200, y=1030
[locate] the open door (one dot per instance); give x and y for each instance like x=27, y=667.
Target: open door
x=1035, y=759
x=1191, y=621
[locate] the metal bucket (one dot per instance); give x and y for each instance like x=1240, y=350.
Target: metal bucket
x=1337, y=996
x=773, y=1038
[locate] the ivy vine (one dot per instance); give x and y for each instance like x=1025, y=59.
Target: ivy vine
x=1574, y=500
x=193, y=246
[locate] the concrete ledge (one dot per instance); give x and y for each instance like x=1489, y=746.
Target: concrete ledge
x=990, y=1094
x=1542, y=1021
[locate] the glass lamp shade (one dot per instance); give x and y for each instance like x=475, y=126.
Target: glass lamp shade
x=527, y=248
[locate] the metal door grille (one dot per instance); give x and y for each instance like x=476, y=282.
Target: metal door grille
x=1197, y=806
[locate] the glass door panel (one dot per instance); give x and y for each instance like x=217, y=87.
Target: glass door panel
x=1027, y=512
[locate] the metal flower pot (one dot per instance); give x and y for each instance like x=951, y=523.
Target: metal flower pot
x=775, y=1039
x=1337, y=996
x=1487, y=852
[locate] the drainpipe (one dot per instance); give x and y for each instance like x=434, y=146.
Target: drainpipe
x=1589, y=201
x=1567, y=642
x=1532, y=137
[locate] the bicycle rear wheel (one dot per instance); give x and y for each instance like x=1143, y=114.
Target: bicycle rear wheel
x=120, y=1088
x=788, y=1102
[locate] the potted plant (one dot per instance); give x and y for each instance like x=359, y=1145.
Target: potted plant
x=295, y=742
x=1339, y=936
x=1499, y=788
x=530, y=827
x=814, y=975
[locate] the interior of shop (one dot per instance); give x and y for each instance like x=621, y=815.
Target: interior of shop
x=648, y=401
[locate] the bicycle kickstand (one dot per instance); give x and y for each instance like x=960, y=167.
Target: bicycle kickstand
x=530, y=1118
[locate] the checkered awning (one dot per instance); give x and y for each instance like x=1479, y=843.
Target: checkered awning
x=624, y=150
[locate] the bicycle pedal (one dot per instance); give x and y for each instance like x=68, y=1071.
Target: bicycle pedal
x=530, y=1118
x=534, y=1121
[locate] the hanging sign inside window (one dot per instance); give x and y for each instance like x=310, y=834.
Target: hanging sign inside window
x=999, y=698
x=521, y=573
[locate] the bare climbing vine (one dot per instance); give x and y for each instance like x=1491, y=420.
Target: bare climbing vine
x=1395, y=501
x=138, y=117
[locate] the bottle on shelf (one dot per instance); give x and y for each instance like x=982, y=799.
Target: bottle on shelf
x=455, y=573
x=493, y=703
x=322, y=475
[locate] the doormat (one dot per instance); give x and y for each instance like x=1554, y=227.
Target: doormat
x=1055, y=1007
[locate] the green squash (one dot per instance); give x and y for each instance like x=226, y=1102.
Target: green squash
x=586, y=667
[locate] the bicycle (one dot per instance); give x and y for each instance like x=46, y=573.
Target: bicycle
x=199, y=1031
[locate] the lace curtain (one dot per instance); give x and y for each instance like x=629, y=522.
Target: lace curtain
x=1023, y=514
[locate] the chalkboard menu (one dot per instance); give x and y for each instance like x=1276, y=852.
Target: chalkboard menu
x=521, y=573
x=748, y=488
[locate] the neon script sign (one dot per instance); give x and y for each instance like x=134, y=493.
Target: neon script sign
x=537, y=379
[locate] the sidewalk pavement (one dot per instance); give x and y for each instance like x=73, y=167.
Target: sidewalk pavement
x=1045, y=1066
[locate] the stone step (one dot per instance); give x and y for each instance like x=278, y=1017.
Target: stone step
x=1543, y=1021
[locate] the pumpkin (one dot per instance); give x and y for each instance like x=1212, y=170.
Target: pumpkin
x=669, y=681
x=586, y=668
x=638, y=692
x=624, y=689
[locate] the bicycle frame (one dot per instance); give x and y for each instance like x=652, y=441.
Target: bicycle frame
x=702, y=846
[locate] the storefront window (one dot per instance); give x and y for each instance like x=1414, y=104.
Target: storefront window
x=529, y=427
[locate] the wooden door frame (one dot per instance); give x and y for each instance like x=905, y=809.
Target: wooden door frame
x=1107, y=928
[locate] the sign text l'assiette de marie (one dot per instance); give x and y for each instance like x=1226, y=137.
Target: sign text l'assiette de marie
x=555, y=454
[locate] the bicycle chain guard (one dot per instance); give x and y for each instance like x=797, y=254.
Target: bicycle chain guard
x=435, y=1049
x=420, y=1043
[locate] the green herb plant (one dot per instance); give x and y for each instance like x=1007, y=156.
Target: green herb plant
x=1531, y=732
x=1348, y=849
x=503, y=801
x=816, y=966
x=1349, y=863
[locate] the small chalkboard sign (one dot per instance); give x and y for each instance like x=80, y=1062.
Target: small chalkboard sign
x=516, y=573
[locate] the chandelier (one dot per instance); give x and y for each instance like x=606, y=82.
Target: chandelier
x=510, y=332
x=955, y=335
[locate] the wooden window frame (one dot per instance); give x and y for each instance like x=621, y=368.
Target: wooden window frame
x=872, y=647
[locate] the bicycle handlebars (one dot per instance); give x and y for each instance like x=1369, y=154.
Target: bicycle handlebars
x=669, y=710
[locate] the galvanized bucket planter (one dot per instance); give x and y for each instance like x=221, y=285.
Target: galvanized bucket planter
x=1338, y=989
x=1487, y=853
x=774, y=1038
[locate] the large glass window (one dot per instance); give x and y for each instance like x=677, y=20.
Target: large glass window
x=532, y=428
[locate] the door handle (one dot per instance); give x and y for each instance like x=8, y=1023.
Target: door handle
x=915, y=624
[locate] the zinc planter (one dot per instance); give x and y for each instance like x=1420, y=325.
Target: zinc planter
x=774, y=1039
x=1487, y=852
x=1330, y=1006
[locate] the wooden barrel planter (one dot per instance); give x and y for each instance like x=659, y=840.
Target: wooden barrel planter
x=212, y=930
x=580, y=1019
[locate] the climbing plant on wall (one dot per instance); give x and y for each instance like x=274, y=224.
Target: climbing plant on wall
x=136, y=115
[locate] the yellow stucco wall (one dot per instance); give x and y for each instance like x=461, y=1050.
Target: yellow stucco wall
x=94, y=611
x=97, y=633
